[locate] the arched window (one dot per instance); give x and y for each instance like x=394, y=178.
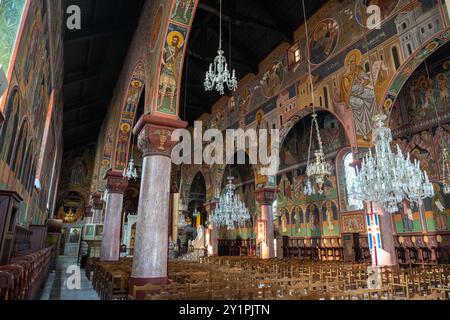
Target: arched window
x=20, y=148
x=396, y=57
x=350, y=176
x=9, y=129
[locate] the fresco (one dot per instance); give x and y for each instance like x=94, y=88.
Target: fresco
x=330, y=219
x=10, y=18
x=182, y=11
x=353, y=223
x=171, y=68
x=273, y=79
x=323, y=41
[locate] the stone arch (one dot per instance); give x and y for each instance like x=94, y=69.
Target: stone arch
x=409, y=66
x=349, y=125
x=188, y=175
x=127, y=118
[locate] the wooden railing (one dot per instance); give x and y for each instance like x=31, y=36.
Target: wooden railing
x=23, y=277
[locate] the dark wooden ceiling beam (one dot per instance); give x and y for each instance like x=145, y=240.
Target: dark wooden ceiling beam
x=250, y=58
x=80, y=104
x=281, y=25
x=245, y=21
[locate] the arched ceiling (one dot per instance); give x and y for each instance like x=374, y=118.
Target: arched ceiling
x=257, y=28
x=94, y=55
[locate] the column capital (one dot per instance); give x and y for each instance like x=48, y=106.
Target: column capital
x=266, y=195
x=115, y=182
x=96, y=201
x=154, y=134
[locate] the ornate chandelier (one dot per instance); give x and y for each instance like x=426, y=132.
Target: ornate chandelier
x=445, y=170
x=219, y=75
x=130, y=172
x=388, y=178
x=230, y=209
x=319, y=168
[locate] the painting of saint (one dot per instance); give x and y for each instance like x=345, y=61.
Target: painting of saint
x=272, y=79
x=323, y=41
x=170, y=72
x=439, y=208
x=78, y=172
x=313, y=220
x=330, y=218
x=407, y=217
x=283, y=221
x=358, y=92
x=244, y=100
x=108, y=143
x=443, y=88
x=122, y=145
x=182, y=12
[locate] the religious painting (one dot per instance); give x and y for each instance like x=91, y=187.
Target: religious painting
x=244, y=100
x=363, y=15
x=437, y=210
x=285, y=195
x=156, y=28
x=358, y=93
x=89, y=231
x=284, y=222
x=330, y=219
x=407, y=219
x=313, y=221
x=182, y=11
x=123, y=144
x=10, y=17
x=421, y=149
x=353, y=223
x=323, y=41
x=171, y=69
x=79, y=172
x=99, y=231
x=108, y=143
x=297, y=221
x=272, y=79
x=74, y=235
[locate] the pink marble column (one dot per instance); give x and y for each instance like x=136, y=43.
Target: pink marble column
x=152, y=227
x=212, y=242
x=386, y=256
x=97, y=207
x=265, y=198
x=116, y=185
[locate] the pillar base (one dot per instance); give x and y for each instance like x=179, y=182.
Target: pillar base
x=142, y=282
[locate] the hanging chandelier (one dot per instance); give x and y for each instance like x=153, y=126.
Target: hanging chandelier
x=389, y=178
x=230, y=209
x=181, y=220
x=218, y=74
x=130, y=171
x=320, y=167
x=445, y=170
x=195, y=214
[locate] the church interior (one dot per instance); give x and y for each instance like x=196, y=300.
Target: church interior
x=354, y=95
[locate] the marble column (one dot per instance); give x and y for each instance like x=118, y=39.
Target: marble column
x=212, y=232
x=116, y=185
x=265, y=198
x=97, y=207
x=152, y=228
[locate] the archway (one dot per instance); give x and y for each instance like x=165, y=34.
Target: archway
x=300, y=214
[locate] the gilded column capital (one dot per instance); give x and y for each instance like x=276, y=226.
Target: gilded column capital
x=266, y=196
x=115, y=182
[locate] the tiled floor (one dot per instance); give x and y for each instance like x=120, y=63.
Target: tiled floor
x=56, y=287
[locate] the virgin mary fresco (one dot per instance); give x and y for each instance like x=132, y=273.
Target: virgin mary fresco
x=323, y=41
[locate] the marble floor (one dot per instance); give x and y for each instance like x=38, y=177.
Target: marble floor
x=57, y=287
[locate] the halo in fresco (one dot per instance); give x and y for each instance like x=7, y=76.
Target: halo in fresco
x=323, y=41
x=386, y=8
x=156, y=29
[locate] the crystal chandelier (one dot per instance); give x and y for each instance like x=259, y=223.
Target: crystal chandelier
x=388, y=178
x=130, y=171
x=230, y=209
x=445, y=170
x=219, y=75
x=195, y=214
x=319, y=168
x=181, y=220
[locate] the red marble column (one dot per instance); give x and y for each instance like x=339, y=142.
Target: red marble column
x=152, y=227
x=97, y=207
x=116, y=185
x=212, y=233
x=265, y=198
